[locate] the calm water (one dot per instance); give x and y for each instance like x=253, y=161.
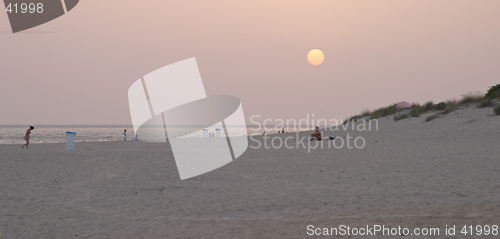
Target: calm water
x=57, y=134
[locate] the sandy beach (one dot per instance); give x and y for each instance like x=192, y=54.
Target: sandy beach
x=409, y=174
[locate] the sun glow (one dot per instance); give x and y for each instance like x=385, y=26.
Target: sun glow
x=315, y=57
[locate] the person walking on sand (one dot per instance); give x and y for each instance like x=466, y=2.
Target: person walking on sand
x=316, y=135
x=125, y=134
x=27, y=137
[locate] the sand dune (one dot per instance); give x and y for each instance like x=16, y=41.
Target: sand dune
x=409, y=174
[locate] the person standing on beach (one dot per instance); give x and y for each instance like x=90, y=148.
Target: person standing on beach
x=27, y=137
x=125, y=134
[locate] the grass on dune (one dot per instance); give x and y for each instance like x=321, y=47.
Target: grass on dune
x=442, y=108
x=497, y=110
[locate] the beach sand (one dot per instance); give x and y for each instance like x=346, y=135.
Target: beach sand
x=409, y=174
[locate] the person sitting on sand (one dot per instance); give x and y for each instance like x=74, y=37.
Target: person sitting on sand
x=27, y=137
x=316, y=135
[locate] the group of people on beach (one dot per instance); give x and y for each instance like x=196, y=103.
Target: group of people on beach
x=28, y=133
x=314, y=136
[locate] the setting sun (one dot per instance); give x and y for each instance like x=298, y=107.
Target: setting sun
x=315, y=57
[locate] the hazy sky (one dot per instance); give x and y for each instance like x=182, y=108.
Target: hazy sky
x=77, y=69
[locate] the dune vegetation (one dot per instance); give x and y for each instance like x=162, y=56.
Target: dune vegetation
x=490, y=99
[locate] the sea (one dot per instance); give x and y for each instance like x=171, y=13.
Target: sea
x=14, y=134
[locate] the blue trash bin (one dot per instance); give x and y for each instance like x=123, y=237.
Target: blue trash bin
x=70, y=140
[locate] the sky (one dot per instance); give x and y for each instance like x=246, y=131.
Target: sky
x=77, y=68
